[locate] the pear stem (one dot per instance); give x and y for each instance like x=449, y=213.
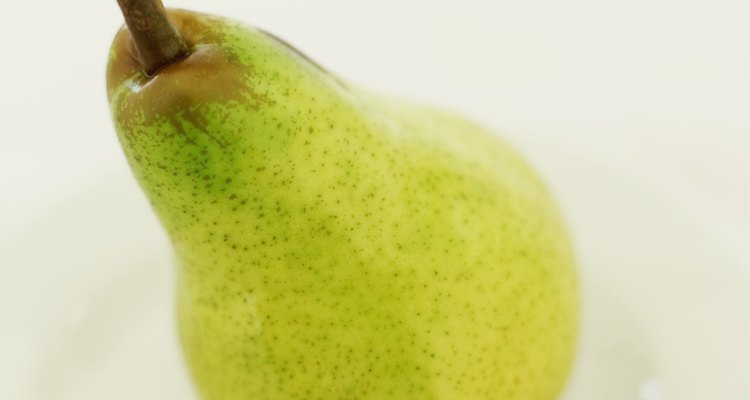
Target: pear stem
x=157, y=41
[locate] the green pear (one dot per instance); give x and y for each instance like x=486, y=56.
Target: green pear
x=336, y=244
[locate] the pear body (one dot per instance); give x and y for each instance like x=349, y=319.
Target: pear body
x=334, y=244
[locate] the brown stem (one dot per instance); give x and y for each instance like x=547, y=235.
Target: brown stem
x=156, y=39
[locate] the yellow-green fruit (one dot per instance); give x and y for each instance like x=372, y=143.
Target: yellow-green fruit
x=334, y=244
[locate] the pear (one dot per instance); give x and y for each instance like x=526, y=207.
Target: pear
x=333, y=243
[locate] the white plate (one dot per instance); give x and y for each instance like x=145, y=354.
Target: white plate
x=87, y=299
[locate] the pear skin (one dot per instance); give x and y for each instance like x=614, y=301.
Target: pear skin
x=336, y=244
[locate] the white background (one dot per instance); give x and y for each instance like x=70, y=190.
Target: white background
x=656, y=90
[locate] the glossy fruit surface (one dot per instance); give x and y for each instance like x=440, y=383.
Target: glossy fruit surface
x=336, y=244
